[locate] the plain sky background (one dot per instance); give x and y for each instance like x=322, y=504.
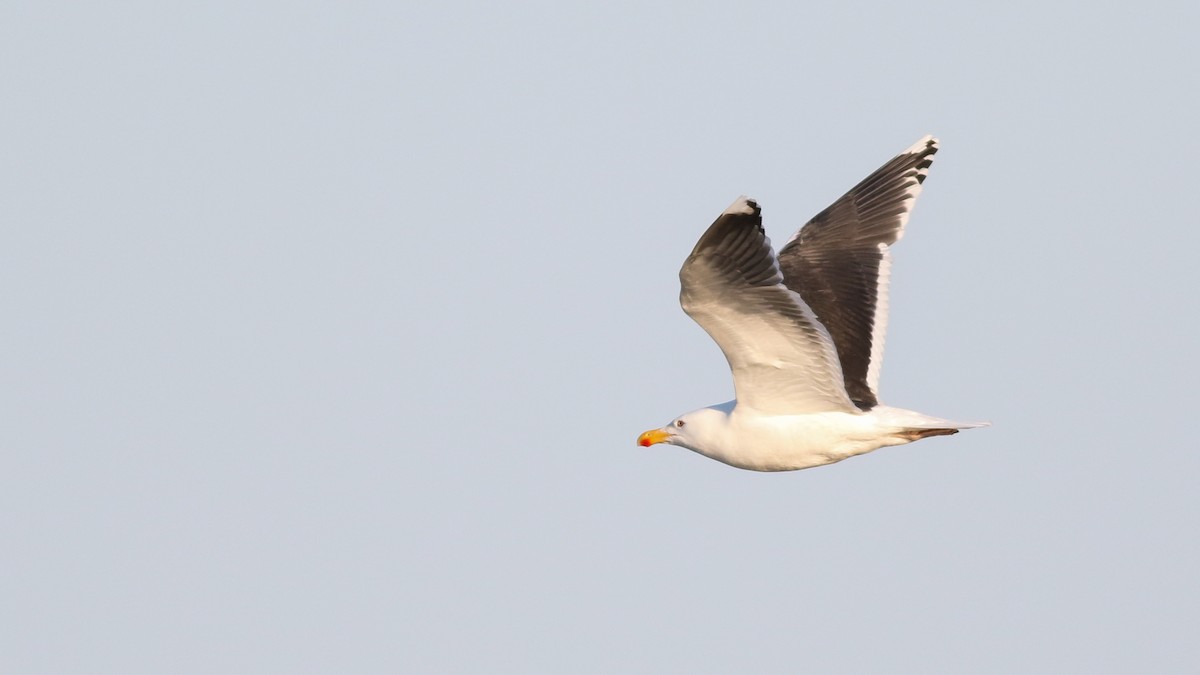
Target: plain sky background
x=328, y=329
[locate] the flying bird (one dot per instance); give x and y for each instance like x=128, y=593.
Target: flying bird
x=803, y=331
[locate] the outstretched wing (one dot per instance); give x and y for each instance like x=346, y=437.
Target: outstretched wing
x=839, y=263
x=782, y=358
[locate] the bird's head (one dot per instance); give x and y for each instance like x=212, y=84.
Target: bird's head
x=695, y=430
x=672, y=433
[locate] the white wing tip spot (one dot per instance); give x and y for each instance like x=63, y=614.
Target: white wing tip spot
x=927, y=141
x=924, y=150
x=743, y=206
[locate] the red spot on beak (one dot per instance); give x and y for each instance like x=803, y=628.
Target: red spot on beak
x=653, y=436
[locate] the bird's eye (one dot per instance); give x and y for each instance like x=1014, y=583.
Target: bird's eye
x=679, y=423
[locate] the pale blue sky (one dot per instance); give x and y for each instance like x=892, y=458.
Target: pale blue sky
x=329, y=328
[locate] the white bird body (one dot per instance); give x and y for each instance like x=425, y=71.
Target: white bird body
x=747, y=439
x=803, y=331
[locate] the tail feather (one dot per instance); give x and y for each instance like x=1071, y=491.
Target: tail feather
x=910, y=420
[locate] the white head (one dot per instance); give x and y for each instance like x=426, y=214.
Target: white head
x=700, y=430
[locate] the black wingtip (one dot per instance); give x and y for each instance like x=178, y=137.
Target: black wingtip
x=924, y=150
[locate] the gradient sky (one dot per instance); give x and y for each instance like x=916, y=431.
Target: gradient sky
x=329, y=328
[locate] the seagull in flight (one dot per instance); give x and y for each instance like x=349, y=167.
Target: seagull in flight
x=803, y=331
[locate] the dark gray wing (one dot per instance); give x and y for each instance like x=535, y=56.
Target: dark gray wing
x=839, y=263
x=783, y=361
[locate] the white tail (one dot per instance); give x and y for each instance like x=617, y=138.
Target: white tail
x=908, y=419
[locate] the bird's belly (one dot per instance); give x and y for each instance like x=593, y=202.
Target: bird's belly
x=787, y=443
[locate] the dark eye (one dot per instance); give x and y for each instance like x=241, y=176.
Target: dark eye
x=679, y=423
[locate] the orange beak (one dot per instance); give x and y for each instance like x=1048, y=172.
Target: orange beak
x=653, y=436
